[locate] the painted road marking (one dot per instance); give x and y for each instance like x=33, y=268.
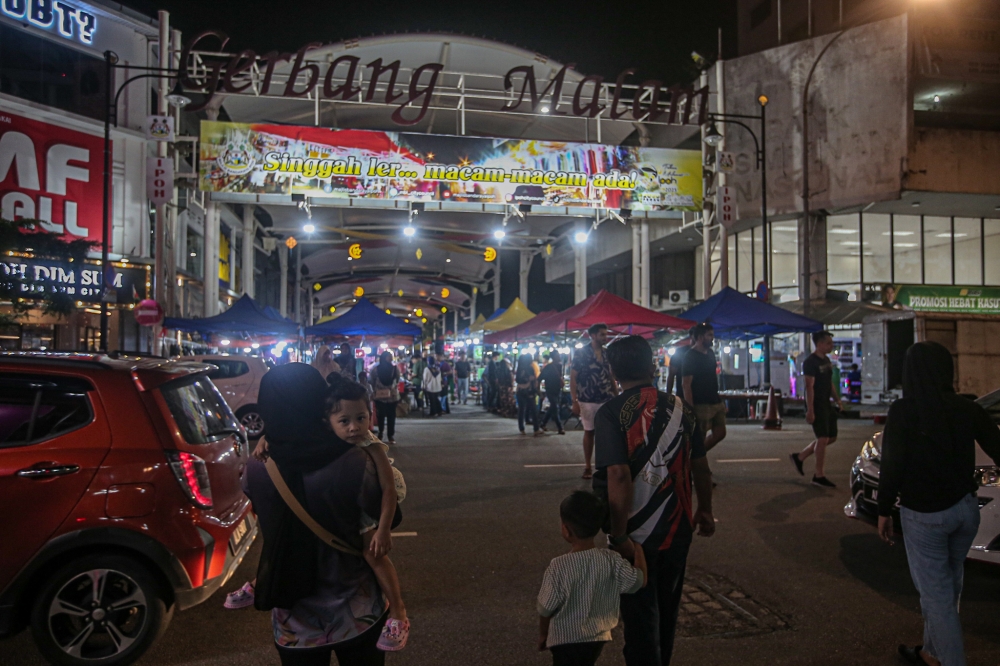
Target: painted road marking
x=402, y=534
x=559, y=465
x=748, y=460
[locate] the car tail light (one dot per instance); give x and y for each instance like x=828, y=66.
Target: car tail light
x=192, y=474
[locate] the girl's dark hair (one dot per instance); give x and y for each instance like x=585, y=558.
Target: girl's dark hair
x=525, y=373
x=583, y=513
x=342, y=388
x=631, y=358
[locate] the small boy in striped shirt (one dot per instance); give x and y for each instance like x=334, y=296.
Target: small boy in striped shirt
x=578, y=601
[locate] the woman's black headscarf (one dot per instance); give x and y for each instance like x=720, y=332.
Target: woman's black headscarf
x=386, y=369
x=291, y=401
x=928, y=380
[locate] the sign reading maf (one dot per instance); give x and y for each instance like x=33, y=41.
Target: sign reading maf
x=69, y=21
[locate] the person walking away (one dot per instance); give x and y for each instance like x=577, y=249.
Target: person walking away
x=675, y=369
x=579, y=598
x=432, y=386
x=552, y=378
x=591, y=384
x=322, y=599
x=447, y=381
x=384, y=380
x=527, y=390
x=701, y=385
x=818, y=373
x=492, y=387
x=462, y=371
x=649, y=449
x=417, y=377
x=506, y=404
x=928, y=462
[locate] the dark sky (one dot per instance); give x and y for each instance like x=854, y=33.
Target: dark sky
x=601, y=37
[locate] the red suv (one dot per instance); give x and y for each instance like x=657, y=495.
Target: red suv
x=120, y=486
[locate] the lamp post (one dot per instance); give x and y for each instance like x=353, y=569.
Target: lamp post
x=713, y=138
x=176, y=98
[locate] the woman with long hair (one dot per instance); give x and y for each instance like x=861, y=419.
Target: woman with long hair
x=506, y=405
x=324, y=361
x=384, y=380
x=432, y=385
x=928, y=462
x=527, y=392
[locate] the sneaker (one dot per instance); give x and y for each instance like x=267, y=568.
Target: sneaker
x=823, y=482
x=394, y=635
x=794, y=457
x=241, y=598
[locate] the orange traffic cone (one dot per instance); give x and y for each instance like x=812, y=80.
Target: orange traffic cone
x=771, y=420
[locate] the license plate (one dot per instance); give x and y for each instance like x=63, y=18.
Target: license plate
x=871, y=493
x=237, y=536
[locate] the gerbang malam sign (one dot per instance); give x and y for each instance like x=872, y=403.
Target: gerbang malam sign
x=343, y=79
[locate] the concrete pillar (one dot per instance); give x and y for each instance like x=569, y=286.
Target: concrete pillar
x=455, y=318
x=496, y=283
x=249, y=233
x=283, y=289
x=526, y=258
x=580, y=268
x=816, y=247
x=472, y=309
x=636, y=264
x=706, y=260
x=645, y=267
x=723, y=257
x=297, y=285
x=210, y=255
x=232, y=258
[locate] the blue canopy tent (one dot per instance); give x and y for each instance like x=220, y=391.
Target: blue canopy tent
x=365, y=318
x=736, y=316
x=245, y=316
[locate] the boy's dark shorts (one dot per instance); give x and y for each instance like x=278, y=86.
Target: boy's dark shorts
x=825, y=424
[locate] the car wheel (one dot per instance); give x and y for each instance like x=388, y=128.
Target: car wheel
x=100, y=610
x=251, y=419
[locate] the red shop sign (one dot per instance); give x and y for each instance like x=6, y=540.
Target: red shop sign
x=52, y=174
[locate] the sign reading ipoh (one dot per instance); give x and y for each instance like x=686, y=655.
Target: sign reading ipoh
x=324, y=162
x=346, y=78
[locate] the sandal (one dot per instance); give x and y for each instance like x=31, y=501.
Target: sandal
x=241, y=598
x=394, y=636
x=588, y=473
x=912, y=654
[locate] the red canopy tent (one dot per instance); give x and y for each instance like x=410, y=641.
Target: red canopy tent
x=619, y=314
x=533, y=326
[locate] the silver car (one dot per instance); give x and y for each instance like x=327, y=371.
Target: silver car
x=864, y=489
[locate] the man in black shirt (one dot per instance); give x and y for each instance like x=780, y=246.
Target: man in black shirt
x=552, y=377
x=462, y=369
x=675, y=370
x=818, y=372
x=701, y=386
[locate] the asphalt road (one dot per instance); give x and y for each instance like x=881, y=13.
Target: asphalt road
x=484, y=507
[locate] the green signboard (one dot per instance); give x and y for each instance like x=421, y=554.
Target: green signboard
x=969, y=300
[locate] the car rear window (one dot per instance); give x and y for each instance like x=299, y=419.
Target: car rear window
x=36, y=408
x=227, y=369
x=198, y=408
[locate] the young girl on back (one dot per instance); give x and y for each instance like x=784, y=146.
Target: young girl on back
x=348, y=414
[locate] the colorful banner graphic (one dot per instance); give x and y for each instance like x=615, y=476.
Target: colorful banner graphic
x=969, y=300
x=322, y=162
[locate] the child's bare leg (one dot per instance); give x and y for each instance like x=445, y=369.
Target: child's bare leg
x=385, y=573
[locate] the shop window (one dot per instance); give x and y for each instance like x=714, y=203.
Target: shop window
x=843, y=249
x=991, y=252
x=10, y=337
x=937, y=250
x=906, y=253
x=744, y=258
x=758, y=257
x=968, y=251
x=785, y=254
x=37, y=336
x=876, y=255
x=734, y=262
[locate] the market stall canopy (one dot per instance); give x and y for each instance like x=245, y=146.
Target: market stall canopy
x=516, y=313
x=515, y=333
x=364, y=318
x=245, y=316
x=736, y=316
x=477, y=325
x=619, y=314
x=833, y=313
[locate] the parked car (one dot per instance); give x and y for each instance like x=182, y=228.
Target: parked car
x=864, y=489
x=120, y=481
x=238, y=379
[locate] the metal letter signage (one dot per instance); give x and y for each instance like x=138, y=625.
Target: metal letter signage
x=207, y=70
x=159, y=179
x=56, y=15
x=727, y=213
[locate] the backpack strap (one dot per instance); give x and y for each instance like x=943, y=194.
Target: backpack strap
x=286, y=494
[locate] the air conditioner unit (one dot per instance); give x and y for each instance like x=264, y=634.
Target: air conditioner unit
x=679, y=297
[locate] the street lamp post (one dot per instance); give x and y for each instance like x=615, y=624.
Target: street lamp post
x=111, y=115
x=713, y=138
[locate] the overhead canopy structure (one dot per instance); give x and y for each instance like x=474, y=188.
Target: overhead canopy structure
x=365, y=318
x=619, y=314
x=521, y=331
x=477, y=325
x=736, y=316
x=516, y=313
x=245, y=316
x=832, y=312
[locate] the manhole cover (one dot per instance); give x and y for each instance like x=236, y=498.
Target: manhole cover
x=714, y=606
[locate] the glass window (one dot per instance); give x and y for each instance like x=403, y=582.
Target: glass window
x=968, y=251
x=906, y=249
x=876, y=257
x=195, y=245
x=227, y=369
x=758, y=257
x=734, y=276
x=785, y=253
x=843, y=249
x=744, y=247
x=198, y=409
x=37, y=336
x=937, y=250
x=991, y=249
x=34, y=408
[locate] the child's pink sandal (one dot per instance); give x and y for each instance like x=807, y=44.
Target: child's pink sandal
x=394, y=635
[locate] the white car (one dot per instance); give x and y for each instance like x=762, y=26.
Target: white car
x=238, y=379
x=864, y=489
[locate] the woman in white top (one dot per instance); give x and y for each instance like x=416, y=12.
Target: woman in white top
x=432, y=382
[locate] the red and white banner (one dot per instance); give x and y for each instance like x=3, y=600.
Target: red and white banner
x=51, y=173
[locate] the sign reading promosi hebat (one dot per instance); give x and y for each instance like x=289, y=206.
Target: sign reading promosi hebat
x=346, y=78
